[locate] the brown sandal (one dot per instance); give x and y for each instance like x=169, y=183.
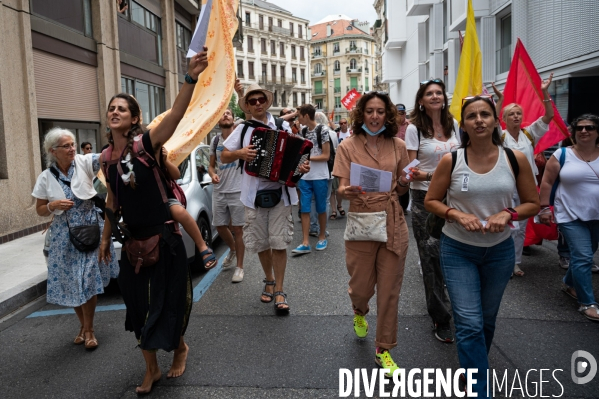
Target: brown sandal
x=79, y=339
x=91, y=343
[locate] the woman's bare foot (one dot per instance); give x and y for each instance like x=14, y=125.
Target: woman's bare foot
x=179, y=362
x=149, y=380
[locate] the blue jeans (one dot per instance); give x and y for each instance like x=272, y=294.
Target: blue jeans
x=562, y=245
x=582, y=238
x=476, y=278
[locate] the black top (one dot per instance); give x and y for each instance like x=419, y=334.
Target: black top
x=141, y=206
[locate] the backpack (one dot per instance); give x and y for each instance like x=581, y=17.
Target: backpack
x=147, y=160
x=255, y=124
x=331, y=161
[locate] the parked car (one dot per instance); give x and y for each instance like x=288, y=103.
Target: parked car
x=197, y=185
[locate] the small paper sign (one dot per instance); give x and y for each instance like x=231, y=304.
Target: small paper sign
x=198, y=41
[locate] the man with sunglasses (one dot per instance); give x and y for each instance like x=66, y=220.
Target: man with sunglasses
x=343, y=131
x=267, y=230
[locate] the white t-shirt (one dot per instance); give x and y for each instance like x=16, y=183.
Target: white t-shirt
x=430, y=151
x=577, y=194
x=536, y=130
x=230, y=176
x=318, y=169
x=343, y=135
x=251, y=184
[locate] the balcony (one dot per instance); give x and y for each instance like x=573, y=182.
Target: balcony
x=419, y=7
x=353, y=50
x=339, y=108
x=359, y=89
x=336, y=52
x=337, y=90
x=367, y=70
x=352, y=71
x=318, y=54
x=318, y=74
x=337, y=72
x=318, y=92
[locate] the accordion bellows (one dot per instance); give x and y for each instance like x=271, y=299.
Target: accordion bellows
x=279, y=155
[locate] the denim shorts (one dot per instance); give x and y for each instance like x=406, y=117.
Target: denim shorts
x=317, y=188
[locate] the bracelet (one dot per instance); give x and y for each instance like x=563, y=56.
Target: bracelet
x=447, y=215
x=190, y=80
x=48, y=206
x=429, y=176
x=402, y=185
x=547, y=101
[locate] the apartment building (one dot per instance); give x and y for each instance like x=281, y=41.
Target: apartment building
x=423, y=42
x=275, y=53
x=343, y=58
x=379, y=32
x=62, y=61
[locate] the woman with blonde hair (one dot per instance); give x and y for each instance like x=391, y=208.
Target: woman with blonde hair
x=65, y=191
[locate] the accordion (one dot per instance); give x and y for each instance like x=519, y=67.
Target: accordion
x=279, y=155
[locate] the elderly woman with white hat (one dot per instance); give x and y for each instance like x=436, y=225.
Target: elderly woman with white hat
x=65, y=189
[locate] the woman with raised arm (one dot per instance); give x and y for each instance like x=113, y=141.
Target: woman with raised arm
x=158, y=297
x=431, y=134
x=524, y=140
x=477, y=250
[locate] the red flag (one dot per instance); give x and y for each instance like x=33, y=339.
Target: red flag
x=350, y=99
x=523, y=86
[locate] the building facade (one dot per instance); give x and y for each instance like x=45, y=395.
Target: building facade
x=343, y=58
x=379, y=32
x=423, y=42
x=62, y=61
x=275, y=53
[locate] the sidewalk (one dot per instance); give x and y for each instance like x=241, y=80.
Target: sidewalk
x=23, y=272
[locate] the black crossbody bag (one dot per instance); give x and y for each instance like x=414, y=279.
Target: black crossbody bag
x=85, y=238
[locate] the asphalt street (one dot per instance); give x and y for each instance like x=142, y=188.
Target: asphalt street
x=240, y=349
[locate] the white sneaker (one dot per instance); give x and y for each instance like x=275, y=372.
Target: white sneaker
x=595, y=269
x=238, y=275
x=229, y=259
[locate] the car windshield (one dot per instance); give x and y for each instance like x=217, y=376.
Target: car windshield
x=185, y=171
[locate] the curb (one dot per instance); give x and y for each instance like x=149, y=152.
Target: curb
x=22, y=298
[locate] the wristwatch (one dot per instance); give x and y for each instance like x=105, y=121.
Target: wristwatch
x=512, y=212
x=190, y=80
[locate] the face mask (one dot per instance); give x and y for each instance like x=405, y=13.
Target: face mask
x=381, y=130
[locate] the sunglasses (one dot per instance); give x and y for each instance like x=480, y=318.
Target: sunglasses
x=424, y=82
x=343, y=123
x=482, y=96
x=589, y=128
x=255, y=101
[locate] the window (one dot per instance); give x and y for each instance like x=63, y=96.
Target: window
x=264, y=77
x=335, y=48
x=299, y=31
x=376, y=66
x=150, y=97
x=140, y=33
x=263, y=45
x=293, y=56
x=274, y=99
x=270, y=24
x=248, y=19
x=284, y=99
x=337, y=102
x=281, y=49
x=337, y=86
x=74, y=14
x=353, y=83
x=318, y=104
x=318, y=68
x=273, y=73
x=317, y=51
x=366, y=85
x=273, y=48
x=251, y=70
x=294, y=99
x=280, y=23
x=366, y=69
x=291, y=28
x=504, y=53
x=353, y=64
x=294, y=75
x=318, y=88
x=261, y=22
x=303, y=77
x=303, y=98
x=337, y=66
x=282, y=72
x=240, y=69
x=352, y=45
x=183, y=39
x=302, y=53
x=250, y=44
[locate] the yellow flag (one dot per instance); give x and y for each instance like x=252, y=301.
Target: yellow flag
x=469, y=81
x=215, y=85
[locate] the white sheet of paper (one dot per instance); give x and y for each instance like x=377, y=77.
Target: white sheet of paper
x=199, y=36
x=370, y=179
x=412, y=164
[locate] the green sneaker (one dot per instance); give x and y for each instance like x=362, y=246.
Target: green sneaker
x=385, y=361
x=360, y=326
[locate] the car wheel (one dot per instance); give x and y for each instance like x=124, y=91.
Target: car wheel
x=204, y=227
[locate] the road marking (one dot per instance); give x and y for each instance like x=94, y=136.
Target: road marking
x=198, y=292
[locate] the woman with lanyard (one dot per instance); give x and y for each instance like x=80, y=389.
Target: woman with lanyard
x=477, y=251
x=158, y=297
x=524, y=139
x=576, y=209
x=375, y=261
x=431, y=134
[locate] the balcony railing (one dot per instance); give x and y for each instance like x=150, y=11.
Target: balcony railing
x=336, y=52
x=319, y=54
x=318, y=92
x=337, y=90
x=353, y=50
x=359, y=89
x=353, y=70
x=337, y=72
x=339, y=108
x=318, y=74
